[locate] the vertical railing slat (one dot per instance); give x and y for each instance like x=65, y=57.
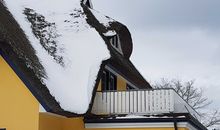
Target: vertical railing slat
x=119, y=105
x=171, y=100
x=162, y=101
x=143, y=101
x=123, y=102
x=131, y=100
x=127, y=102
x=139, y=101
x=135, y=103
x=147, y=102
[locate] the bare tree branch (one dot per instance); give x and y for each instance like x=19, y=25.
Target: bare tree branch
x=194, y=96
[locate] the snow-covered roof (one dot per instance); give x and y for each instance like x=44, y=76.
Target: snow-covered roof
x=70, y=50
x=59, y=47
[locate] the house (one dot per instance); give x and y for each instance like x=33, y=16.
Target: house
x=66, y=66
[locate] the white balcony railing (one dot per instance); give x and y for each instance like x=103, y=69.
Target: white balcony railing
x=140, y=102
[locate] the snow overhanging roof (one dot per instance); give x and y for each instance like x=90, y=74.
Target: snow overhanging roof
x=60, y=47
x=68, y=48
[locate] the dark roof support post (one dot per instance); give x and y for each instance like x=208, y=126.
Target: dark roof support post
x=175, y=123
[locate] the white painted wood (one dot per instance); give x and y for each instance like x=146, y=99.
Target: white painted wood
x=112, y=102
x=108, y=103
x=131, y=102
x=151, y=101
x=167, y=100
x=127, y=105
x=139, y=101
x=115, y=102
x=119, y=105
x=135, y=102
x=171, y=100
x=162, y=101
x=156, y=103
x=123, y=102
x=147, y=100
x=104, y=102
x=142, y=102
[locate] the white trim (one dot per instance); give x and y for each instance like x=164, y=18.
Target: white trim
x=118, y=41
x=115, y=73
x=140, y=125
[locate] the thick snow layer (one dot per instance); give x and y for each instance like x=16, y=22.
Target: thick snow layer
x=140, y=116
x=73, y=66
x=131, y=117
x=110, y=33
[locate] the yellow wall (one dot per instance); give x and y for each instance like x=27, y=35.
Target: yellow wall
x=49, y=122
x=121, y=83
x=73, y=124
x=54, y=122
x=19, y=109
x=99, y=86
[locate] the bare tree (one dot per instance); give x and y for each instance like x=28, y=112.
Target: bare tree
x=211, y=118
x=194, y=96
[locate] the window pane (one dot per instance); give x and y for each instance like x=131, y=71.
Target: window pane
x=109, y=81
x=104, y=81
x=116, y=41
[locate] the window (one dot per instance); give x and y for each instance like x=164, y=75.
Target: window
x=115, y=42
x=109, y=81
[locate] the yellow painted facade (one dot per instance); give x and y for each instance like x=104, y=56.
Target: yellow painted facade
x=54, y=122
x=121, y=83
x=19, y=109
x=49, y=122
x=99, y=86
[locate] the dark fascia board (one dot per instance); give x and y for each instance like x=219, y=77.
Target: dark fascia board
x=123, y=75
x=134, y=120
x=133, y=71
x=188, y=119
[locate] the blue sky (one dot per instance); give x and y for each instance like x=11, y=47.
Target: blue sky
x=173, y=39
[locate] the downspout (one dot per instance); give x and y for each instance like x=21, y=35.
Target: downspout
x=175, y=123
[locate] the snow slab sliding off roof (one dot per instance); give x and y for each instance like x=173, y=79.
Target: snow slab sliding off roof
x=70, y=51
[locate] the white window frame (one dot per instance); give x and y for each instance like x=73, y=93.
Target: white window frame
x=112, y=40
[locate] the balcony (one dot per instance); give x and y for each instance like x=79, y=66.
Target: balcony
x=141, y=102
